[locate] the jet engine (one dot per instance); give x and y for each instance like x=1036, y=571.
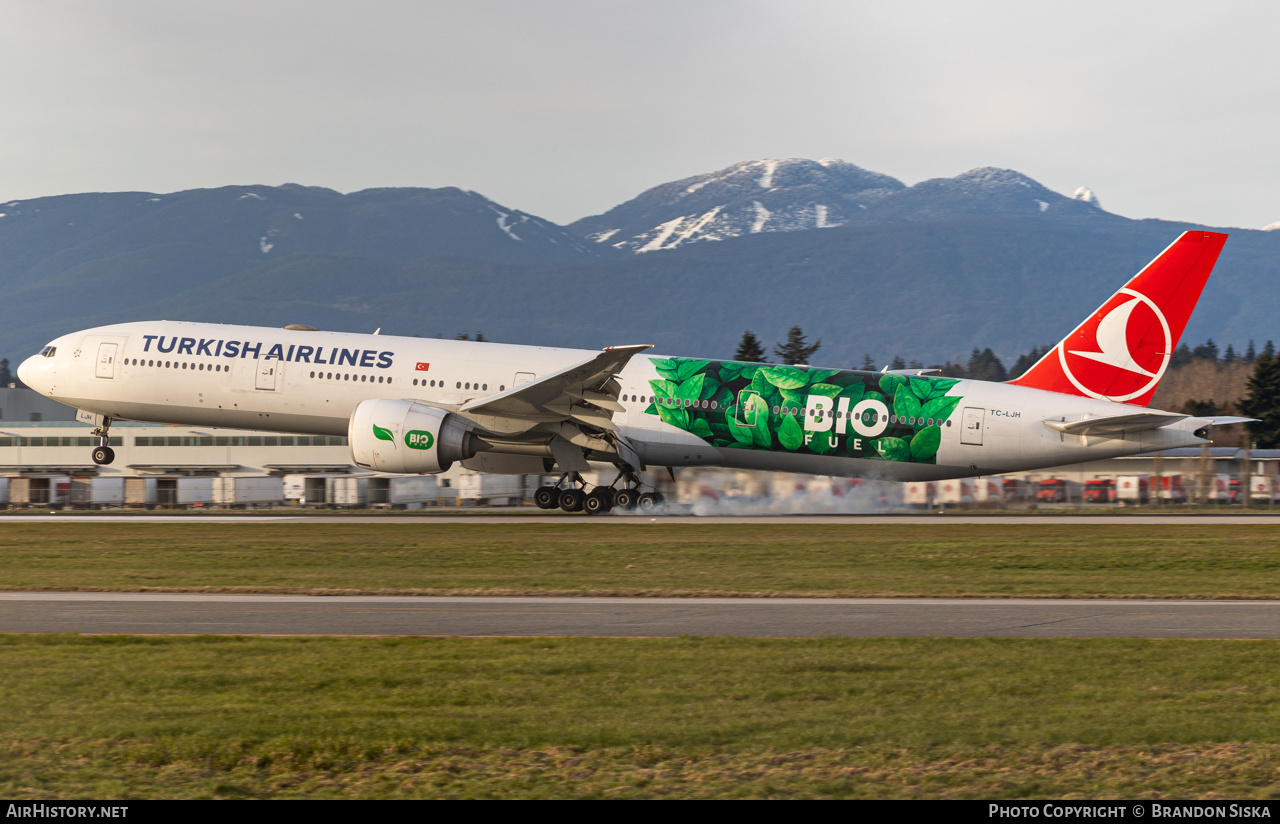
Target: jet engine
x=409, y=438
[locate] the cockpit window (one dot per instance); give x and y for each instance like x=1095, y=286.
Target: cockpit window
x=49, y=351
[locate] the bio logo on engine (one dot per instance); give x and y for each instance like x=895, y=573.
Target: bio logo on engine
x=383, y=434
x=417, y=439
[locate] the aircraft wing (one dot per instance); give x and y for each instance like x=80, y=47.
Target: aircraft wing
x=577, y=391
x=1113, y=424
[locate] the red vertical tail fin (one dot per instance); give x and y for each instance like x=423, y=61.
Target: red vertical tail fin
x=1122, y=351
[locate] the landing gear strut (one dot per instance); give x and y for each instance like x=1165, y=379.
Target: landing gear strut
x=103, y=454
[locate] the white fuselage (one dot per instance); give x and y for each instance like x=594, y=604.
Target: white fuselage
x=311, y=382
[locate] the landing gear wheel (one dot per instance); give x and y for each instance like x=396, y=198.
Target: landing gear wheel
x=597, y=502
x=625, y=499
x=571, y=500
x=648, y=501
x=103, y=455
x=547, y=497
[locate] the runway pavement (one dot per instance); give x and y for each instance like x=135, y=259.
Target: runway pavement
x=190, y=614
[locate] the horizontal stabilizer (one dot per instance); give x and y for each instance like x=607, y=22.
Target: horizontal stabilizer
x=1227, y=420
x=1114, y=424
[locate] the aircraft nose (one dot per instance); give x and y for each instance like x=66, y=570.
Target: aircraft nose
x=25, y=370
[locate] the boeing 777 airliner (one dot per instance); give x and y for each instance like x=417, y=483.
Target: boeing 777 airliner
x=411, y=405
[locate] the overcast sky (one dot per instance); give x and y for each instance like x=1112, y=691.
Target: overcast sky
x=564, y=108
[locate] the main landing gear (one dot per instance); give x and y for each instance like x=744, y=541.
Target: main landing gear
x=103, y=454
x=575, y=498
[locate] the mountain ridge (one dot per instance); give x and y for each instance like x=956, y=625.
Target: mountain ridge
x=928, y=271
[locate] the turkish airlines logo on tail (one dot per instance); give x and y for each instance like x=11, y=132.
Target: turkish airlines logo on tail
x=1122, y=351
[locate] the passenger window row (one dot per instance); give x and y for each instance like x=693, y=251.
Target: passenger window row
x=217, y=367
x=483, y=387
x=349, y=376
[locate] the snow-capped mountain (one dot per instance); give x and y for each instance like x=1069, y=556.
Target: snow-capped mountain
x=746, y=198
x=789, y=195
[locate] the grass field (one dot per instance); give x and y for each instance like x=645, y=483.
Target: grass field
x=221, y=717
x=683, y=717
x=647, y=558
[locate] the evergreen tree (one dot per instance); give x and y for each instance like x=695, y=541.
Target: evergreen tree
x=750, y=349
x=1229, y=356
x=1181, y=355
x=795, y=350
x=6, y=376
x=1207, y=350
x=1250, y=354
x=1269, y=350
x=480, y=337
x=868, y=364
x=915, y=364
x=985, y=366
x=1263, y=400
x=898, y=363
x=1025, y=362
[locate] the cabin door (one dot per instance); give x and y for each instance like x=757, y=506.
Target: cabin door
x=107, y=360
x=971, y=429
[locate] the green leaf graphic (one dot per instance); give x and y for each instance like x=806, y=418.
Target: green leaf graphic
x=749, y=370
x=939, y=408
x=709, y=386
x=701, y=428
x=924, y=446
x=688, y=368
x=790, y=435
x=921, y=388
x=741, y=434
x=760, y=434
x=795, y=399
x=676, y=416
x=942, y=385
x=820, y=443
x=893, y=449
x=690, y=390
x=830, y=390
x=821, y=375
x=876, y=396
x=889, y=384
x=383, y=434
x=761, y=384
x=905, y=404
x=785, y=377
x=854, y=393
x=664, y=389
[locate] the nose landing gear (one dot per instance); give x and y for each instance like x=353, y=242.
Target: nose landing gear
x=103, y=454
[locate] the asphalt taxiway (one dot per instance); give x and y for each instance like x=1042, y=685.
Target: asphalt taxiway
x=301, y=615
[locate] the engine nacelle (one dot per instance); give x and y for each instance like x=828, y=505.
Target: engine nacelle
x=408, y=438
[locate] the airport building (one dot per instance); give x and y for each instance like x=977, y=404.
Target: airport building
x=45, y=460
